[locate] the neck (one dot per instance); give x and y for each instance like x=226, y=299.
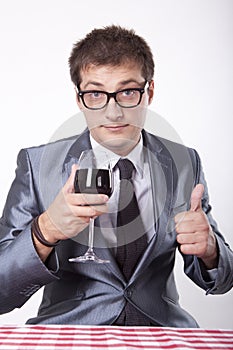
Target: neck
x=121, y=147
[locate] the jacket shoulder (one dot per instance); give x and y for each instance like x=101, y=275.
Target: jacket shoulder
x=53, y=145
x=170, y=149
x=48, y=152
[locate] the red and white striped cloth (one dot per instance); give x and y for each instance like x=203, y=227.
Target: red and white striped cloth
x=112, y=337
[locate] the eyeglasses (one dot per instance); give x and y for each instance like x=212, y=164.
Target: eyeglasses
x=127, y=98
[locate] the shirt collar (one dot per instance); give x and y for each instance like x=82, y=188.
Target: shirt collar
x=136, y=156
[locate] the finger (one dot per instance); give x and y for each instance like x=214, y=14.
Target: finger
x=190, y=222
x=188, y=249
x=190, y=238
x=89, y=211
x=69, y=185
x=84, y=199
x=193, y=249
x=185, y=229
x=196, y=196
x=180, y=217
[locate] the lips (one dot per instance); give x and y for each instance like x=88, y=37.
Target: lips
x=116, y=127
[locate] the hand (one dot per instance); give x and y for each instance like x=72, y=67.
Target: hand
x=70, y=212
x=194, y=233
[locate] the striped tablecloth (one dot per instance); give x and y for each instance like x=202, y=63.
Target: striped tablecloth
x=108, y=337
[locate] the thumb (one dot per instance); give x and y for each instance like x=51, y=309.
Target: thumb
x=196, y=196
x=69, y=185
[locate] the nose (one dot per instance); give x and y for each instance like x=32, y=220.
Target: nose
x=113, y=111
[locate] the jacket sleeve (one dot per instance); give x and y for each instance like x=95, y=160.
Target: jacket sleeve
x=22, y=272
x=219, y=280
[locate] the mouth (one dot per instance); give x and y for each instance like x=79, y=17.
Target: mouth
x=115, y=127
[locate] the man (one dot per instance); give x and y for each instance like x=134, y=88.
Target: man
x=44, y=222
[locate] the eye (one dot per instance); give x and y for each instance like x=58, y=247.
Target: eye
x=127, y=93
x=95, y=95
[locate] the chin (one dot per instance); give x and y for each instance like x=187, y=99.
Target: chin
x=120, y=146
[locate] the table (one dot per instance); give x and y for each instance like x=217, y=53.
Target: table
x=111, y=337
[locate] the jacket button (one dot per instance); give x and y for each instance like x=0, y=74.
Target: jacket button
x=128, y=293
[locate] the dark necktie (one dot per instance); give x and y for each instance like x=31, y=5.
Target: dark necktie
x=131, y=238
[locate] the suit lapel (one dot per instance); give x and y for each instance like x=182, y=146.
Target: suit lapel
x=161, y=173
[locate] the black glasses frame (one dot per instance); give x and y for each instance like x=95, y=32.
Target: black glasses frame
x=111, y=95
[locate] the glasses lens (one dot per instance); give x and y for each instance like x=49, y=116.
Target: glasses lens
x=128, y=98
x=95, y=99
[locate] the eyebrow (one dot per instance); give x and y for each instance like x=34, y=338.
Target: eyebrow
x=122, y=83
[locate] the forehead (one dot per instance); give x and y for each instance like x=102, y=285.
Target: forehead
x=103, y=73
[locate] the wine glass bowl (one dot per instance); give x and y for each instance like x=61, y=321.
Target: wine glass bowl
x=93, y=181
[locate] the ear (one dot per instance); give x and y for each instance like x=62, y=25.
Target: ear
x=151, y=91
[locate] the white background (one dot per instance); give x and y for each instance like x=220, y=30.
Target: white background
x=192, y=42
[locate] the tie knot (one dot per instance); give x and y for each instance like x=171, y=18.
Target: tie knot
x=126, y=168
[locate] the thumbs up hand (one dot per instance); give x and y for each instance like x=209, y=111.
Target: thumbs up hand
x=194, y=233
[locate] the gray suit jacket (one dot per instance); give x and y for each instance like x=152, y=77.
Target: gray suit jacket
x=96, y=293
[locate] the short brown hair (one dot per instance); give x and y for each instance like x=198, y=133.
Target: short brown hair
x=111, y=45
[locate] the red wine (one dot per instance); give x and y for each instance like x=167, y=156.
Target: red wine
x=93, y=181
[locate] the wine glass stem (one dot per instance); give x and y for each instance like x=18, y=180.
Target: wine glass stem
x=91, y=235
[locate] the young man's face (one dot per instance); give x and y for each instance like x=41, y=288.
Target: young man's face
x=115, y=127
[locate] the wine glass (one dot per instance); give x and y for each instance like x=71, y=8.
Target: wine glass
x=94, y=175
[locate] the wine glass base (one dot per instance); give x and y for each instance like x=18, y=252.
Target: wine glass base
x=89, y=257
